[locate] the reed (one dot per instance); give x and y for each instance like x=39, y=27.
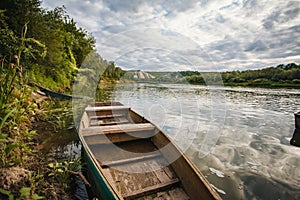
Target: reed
x=16, y=108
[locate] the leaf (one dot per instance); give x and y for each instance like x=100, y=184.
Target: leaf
x=51, y=165
x=25, y=191
x=60, y=170
x=51, y=174
x=7, y=193
x=3, y=136
x=5, y=118
x=36, y=196
x=10, y=147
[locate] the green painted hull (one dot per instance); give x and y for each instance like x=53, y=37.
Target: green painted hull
x=99, y=187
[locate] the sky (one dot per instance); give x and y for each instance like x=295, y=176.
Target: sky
x=203, y=35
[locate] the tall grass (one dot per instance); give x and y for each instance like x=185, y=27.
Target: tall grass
x=16, y=108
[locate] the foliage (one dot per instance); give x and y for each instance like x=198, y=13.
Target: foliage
x=112, y=72
x=7, y=38
x=57, y=113
x=26, y=193
x=16, y=108
x=280, y=76
x=63, y=170
x=48, y=42
x=51, y=49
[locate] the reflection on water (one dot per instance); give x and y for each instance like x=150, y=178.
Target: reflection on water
x=62, y=143
x=104, y=92
x=242, y=133
x=237, y=137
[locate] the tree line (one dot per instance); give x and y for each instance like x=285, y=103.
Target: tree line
x=280, y=76
x=49, y=44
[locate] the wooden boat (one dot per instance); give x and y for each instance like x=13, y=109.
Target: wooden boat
x=128, y=157
x=51, y=93
x=56, y=95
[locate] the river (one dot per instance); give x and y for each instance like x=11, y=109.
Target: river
x=238, y=137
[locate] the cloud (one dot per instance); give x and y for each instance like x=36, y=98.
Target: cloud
x=282, y=15
x=207, y=35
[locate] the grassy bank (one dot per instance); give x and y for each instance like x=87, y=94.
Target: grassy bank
x=25, y=172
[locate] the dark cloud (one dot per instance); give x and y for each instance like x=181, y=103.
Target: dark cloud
x=256, y=46
x=228, y=48
x=281, y=15
x=127, y=6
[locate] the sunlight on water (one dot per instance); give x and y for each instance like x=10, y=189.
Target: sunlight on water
x=241, y=133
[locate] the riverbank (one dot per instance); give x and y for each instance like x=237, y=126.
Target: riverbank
x=29, y=169
x=262, y=84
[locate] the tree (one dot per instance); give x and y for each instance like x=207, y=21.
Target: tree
x=20, y=12
x=8, y=40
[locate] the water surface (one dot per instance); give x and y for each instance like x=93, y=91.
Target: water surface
x=238, y=137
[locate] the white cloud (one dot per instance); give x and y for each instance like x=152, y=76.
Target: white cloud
x=211, y=35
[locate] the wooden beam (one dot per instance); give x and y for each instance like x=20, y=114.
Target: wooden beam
x=113, y=115
x=113, y=103
x=130, y=160
x=151, y=189
x=106, y=108
x=122, y=128
x=117, y=137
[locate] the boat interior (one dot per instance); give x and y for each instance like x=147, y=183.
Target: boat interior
x=137, y=159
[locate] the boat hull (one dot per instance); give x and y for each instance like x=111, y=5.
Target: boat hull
x=128, y=157
x=99, y=188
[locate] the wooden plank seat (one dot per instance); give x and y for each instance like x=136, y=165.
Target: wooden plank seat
x=122, y=128
x=129, y=160
x=106, y=108
x=107, y=116
x=151, y=189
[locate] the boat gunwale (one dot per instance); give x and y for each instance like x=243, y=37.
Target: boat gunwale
x=115, y=193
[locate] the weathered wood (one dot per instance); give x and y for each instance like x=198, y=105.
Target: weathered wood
x=114, y=115
x=109, y=177
x=127, y=181
x=178, y=193
x=151, y=189
x=106, y=122
x=130, y=176
x=128, y=128
x=113, y=121
x=137, y=118
x=169, y=194
x=129, y=160
x=122, y=128
x=106, y=108
x=112, y=103
x=117, y=137
x=84, y=121
x=161, y=174
x=194, y=183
